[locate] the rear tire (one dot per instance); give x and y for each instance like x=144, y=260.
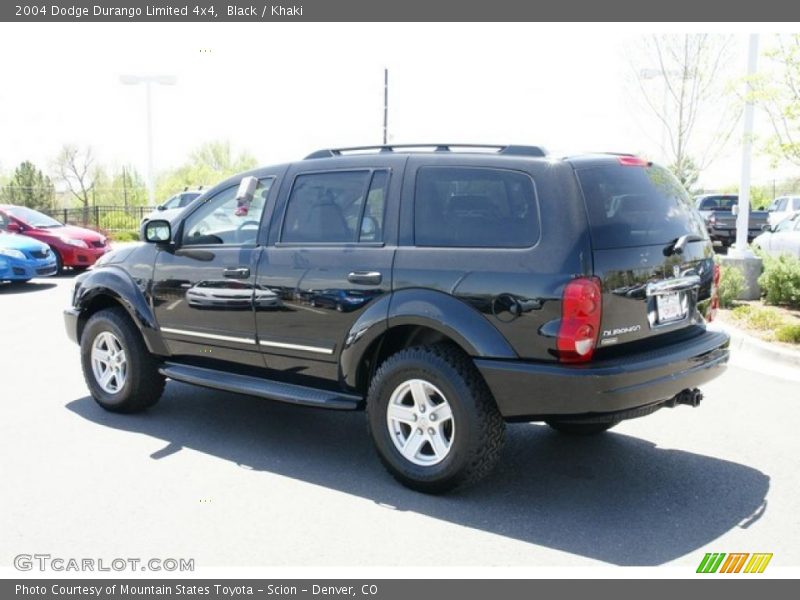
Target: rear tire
x=581, y=429
x=422, y=451
x=121, y=374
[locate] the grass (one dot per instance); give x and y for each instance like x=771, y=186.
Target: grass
x=758, y=317
x=770, y=323
x=789, y=333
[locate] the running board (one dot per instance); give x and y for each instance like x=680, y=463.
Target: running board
x=263, y=388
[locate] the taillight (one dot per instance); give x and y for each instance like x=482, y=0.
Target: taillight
x=634, y=161
x=581, y=309
x=712, y=313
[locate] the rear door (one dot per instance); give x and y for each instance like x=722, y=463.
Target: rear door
x=637, y=213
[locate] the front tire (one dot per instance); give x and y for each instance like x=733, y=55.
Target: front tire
x=433, y=420
x=121, y=374
x=59, y=261
x=581, y=429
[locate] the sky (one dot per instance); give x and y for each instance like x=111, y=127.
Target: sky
x=281, y=91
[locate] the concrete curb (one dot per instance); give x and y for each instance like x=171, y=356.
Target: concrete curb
x=744, y=342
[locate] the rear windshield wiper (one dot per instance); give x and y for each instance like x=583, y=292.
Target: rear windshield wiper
x=677, y=246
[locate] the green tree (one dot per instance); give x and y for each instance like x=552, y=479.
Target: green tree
x=29, y=187
x=122, y=186
x=207, y=165
x=686, y=172
x=777, y=90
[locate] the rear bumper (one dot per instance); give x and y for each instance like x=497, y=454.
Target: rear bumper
x=531, y=391
x=729, y=235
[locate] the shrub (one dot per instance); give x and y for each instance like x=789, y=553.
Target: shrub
x=125, y=236
x=788, y=333
x=731, y=285
x=780, y=280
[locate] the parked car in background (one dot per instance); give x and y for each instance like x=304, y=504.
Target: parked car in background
x=784, y=238
x=75, y=247
x=23, y=258
x=718, y=211
x=172, y=207
x=781, y=208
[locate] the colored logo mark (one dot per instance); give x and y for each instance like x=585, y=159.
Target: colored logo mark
x=734, y=562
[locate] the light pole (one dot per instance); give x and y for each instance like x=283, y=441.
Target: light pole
x=740, y=256
x=148, y=81
x=742, y=219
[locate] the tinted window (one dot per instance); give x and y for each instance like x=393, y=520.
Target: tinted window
x=637, y=206
x=718, y=203
x=329, y=208
x=224, y=220
x=186, y=199
x=372, y=221
x=489, y=208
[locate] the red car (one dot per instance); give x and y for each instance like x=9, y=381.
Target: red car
x=75, y=247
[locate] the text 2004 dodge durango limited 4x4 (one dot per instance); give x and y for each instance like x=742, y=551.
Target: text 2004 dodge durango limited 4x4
x=444, y=289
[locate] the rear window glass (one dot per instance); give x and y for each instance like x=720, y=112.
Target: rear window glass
x=475, y=207
x=637, y=206
x=718, y=203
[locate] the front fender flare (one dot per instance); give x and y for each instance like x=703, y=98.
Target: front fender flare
x=117, y=284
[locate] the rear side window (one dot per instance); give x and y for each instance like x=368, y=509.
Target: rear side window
x=336, y=207
x=637, y=206
x=479, y=207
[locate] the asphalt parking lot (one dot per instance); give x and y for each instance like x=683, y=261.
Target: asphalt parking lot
x=233, y=481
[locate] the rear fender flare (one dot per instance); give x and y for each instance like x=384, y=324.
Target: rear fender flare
x=438, y=311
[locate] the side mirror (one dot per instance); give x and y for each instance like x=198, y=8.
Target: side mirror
x=13, y=227
x=766, y=227
x=157, y=231
x=161, y=207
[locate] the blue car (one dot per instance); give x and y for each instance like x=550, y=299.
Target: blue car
x=23, y=258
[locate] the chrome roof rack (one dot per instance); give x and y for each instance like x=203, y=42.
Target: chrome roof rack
x=510, y=150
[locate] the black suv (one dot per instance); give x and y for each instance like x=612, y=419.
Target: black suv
x=446, y=290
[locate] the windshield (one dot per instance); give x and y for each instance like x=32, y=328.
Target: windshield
x=637, y=206
x=32, y=217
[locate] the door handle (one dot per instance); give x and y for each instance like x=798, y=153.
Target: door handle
x=365, y=277
x=237, y=272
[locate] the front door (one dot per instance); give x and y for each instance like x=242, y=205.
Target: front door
x=330, y=256
x=203, y=289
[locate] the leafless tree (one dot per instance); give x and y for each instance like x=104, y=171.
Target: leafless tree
x=76, y=168
x=693, y=105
